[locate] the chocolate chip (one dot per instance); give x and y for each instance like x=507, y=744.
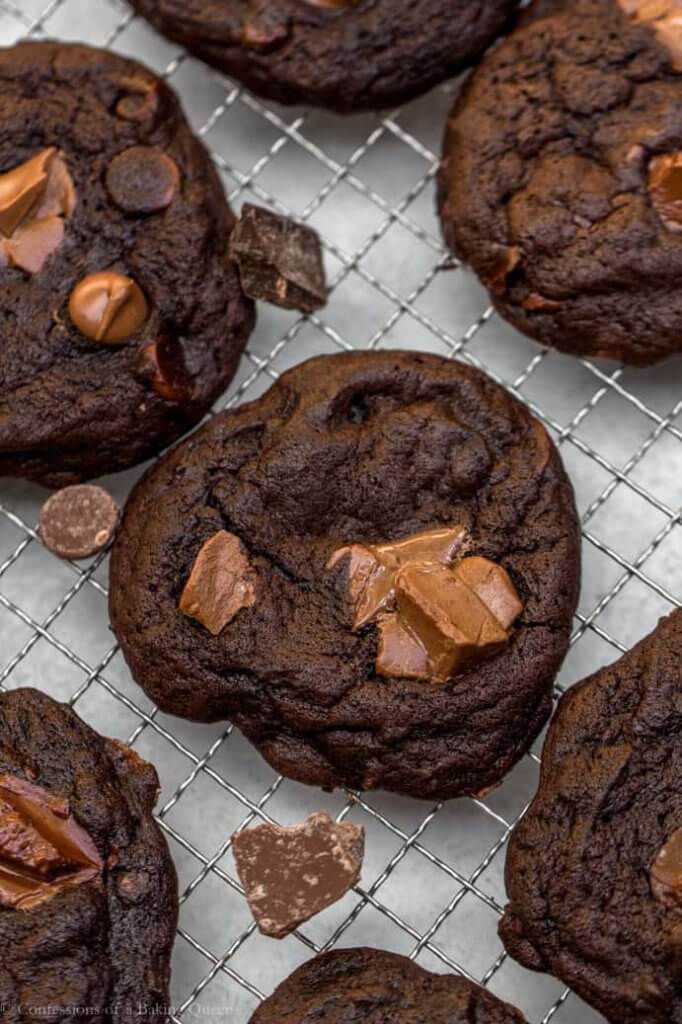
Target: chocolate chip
x=133, y=886
x=291, y=874
x=108, y=307
x=164, y=366
x=78, y=521
x=142, y=179
x=279, y=260
x=43, y=849
x=664, y=18
x=222, y=582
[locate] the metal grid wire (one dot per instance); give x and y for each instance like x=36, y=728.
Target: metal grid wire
x=433, y=880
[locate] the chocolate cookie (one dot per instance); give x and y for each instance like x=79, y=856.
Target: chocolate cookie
x=594, y=871
x=345, y=55
x=351, y=985
x=123, y=317
x=371, y=570
x=562, y=184
x=88, y=893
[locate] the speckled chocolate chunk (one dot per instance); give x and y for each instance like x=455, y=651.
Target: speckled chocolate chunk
x=353, y=449
x=594, y=870
x=349, y=986
x=88, y=892
x=343, y=54
x=561, y=181
x=279, y=260
x=100, y=174
x=293, y=873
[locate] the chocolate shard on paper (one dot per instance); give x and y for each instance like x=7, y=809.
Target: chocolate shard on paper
x=292, y=874
x=279, y=260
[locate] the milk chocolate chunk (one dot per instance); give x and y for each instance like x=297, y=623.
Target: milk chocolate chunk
x=108, y=307
x=142, y=179
x=279, y=260
x=222, y=582
x=291, y=874
x=372, y=568
x=433, y=617
x=665, y=189
x=78, y=521
x=666, y=871
x=35, y=199
x=43, y=849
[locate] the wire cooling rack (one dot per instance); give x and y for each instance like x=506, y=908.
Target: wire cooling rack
x=432, y=885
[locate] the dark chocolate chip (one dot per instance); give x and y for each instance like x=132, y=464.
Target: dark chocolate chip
x=142, y=179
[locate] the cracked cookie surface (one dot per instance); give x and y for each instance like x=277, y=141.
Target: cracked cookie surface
x=355, y=448
x=352, y=985
x=342, y=54
x=107, y=941
x=593, y=872
x=147, y=204
x=546, y=182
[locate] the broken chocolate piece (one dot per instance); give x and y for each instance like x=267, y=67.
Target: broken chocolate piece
x=78, y=521
x=372, y=568
x=666, y=871
x=433, y=618
x=279, y=260
x=222, y=582
x=43, y=849
x=291, y=874
x=35, y=199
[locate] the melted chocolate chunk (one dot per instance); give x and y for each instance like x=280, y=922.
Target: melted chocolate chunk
x=43, y=849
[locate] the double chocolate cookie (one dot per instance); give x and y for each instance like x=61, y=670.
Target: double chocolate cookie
x=594, y=871
x=88, y=893
x=368, y=985
x=122, y=316
x=371, y=570
x=562, y=177
x=342, y=54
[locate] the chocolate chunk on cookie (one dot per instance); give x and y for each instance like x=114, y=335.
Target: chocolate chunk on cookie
x=371, y=570
x=123, y=315
x=594, y=870
x=88, y=892
x=561, y=182
x=342, y=54
x=374, y=987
